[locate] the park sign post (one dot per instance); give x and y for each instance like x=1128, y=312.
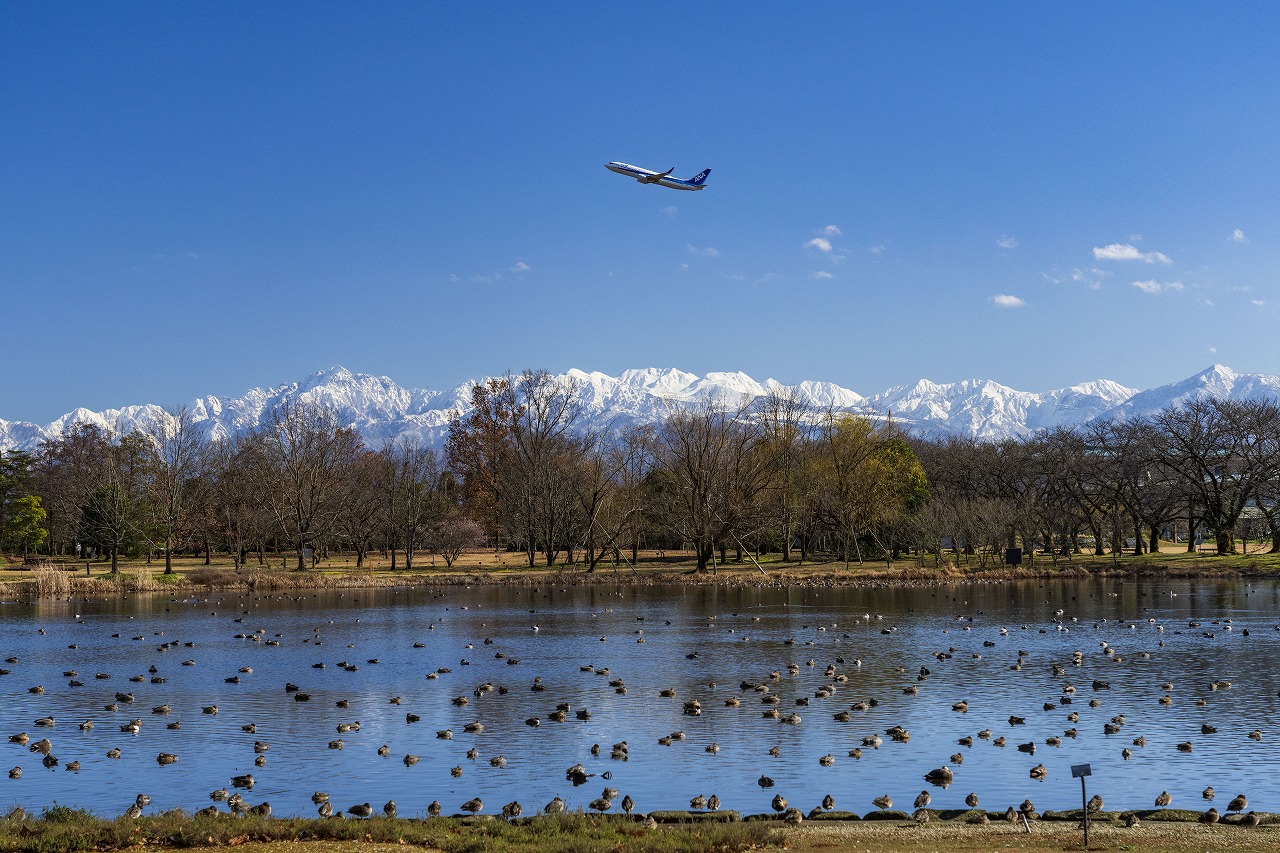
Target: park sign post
x=1079, y=771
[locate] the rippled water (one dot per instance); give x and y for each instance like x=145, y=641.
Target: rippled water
x=701, y=641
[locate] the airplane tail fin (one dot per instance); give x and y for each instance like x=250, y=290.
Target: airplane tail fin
x=699, y=179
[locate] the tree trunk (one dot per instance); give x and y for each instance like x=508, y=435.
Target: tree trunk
x=1098, y=547
x=704, y=555
x=1154, y=546
x=1226, y=542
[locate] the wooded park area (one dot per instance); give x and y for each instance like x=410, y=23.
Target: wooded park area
x=729, y=479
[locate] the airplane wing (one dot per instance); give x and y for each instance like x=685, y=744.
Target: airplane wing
x=653, y=179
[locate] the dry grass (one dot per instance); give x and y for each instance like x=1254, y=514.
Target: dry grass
x=51, y=582
x=1045, y=836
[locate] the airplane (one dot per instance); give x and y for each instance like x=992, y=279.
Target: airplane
x=662, y=179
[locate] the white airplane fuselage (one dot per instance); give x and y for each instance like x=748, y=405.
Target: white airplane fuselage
x=662, y=179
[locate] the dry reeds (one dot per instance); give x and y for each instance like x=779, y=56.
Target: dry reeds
x=51, y=582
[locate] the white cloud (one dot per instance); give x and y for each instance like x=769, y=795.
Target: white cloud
x=1005, y=300
x=1090, y=278
x=708, y=252
x=1128, y=252
x=521, y=266
x=1258, y=302
x=1213, y=349
x=1237, y=236
x=823, y=275
x=1153, y=287
x=1007, y=242
x=877, y=249
x=822, y=244
x=670, y=211
x=831, y=231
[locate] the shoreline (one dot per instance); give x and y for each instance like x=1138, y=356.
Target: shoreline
x=61, y=580
x=60, y=829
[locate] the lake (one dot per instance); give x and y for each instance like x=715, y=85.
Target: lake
x=704, y=643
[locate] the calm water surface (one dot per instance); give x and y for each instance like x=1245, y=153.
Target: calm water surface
x=703, y=642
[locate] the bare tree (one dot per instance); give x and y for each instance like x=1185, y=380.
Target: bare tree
x=1221, y=451
x=451, y=535
x=513, y=450
x=300, y=460
x=413, y=494
x=787, y=423
x=178, y=464
x=66, y=472
x=711, y=469
x=227, y=506
x=611, y=494
x=362, y=512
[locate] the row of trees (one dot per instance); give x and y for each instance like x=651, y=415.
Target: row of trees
x=520, y=471
x=300, y=483
x=758, y=476
x=1210, y=467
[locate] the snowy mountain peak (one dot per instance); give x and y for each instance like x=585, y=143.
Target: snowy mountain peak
x=667, y=381
x=381, y=410
x=1218, y=381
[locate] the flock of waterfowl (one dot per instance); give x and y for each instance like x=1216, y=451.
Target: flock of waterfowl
x=832, y=679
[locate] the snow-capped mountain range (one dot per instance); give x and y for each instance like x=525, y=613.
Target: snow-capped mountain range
x=381, y=410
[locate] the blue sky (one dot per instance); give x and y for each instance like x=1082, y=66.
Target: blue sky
x=205, y=197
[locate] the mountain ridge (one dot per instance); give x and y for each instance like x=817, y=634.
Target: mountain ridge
x=381, y=410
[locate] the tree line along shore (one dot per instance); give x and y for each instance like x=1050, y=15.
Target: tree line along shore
x=718, y=484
